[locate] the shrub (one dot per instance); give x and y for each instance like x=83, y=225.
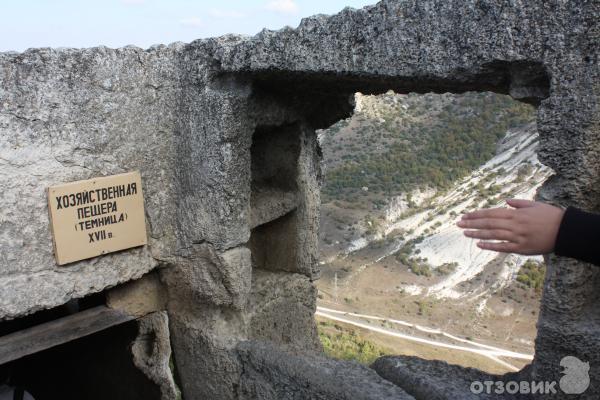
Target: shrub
x=349, y=345
x=434, y=155
x=446, y=268
x=532, y=274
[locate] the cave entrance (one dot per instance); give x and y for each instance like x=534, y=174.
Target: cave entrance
x=397, y=176
x=81, y=350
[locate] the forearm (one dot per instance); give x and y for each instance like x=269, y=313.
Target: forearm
x=579, y=236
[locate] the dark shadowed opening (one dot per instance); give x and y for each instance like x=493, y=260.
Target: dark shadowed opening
x=274, y=198
x=98, y=366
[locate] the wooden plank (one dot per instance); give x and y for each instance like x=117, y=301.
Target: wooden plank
x=63, y=330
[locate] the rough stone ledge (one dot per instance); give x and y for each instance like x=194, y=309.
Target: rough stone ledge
x=272, y=374
x=436, y=380
x=24, y=294
x=140, y=297
x=270, y=204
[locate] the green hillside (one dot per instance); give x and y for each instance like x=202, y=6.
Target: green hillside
x=397, y=143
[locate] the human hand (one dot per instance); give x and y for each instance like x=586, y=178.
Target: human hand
x=529, y=228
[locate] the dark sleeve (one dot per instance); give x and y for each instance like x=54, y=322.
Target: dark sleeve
x=579, y=236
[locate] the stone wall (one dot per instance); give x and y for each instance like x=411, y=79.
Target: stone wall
x=222, y=131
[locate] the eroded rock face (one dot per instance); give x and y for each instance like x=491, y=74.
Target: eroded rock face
x=272, y=374
x=186, y=117
x=209, y=277
x=430, y=379
x=67, y=115
x=138, y=298
x=281, y=305
x=204, y=347
x=151, y=352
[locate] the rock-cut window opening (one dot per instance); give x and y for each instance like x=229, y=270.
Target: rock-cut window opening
x=274, y=198
x=397, y=175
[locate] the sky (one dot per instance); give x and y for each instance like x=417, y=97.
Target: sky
x=117, y=23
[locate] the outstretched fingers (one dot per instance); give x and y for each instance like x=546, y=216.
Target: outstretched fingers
x=502, y=247
x=491, y=234
x=486, y=223
x=501, y=212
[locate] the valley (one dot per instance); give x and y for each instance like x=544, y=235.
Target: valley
x=394, y=251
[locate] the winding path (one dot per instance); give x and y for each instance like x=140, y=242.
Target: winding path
x=488, y=351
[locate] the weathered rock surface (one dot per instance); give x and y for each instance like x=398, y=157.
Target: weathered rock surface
x=269, y=203
x=140, y=297
x=208, y=277
x=281, y=306
x=204, y=346
x=151, y=351
x=433, y=379
x=272, y=374
x=72, y=114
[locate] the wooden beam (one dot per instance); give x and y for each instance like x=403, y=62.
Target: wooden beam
x=50, y=334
